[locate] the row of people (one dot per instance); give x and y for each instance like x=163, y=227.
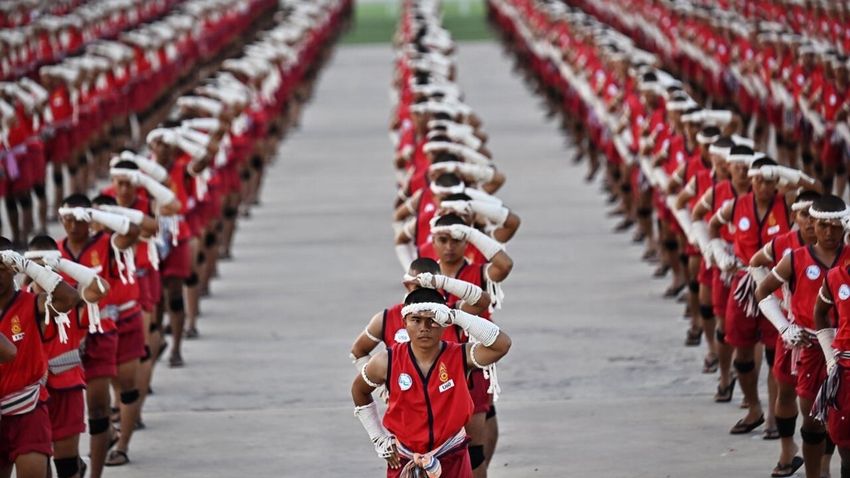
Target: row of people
x=32, y=37
x=141, y=249
x=87, y=105
x=450, y=234
x=734, y=223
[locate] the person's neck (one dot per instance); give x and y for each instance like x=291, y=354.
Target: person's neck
x=451, y=269
x=741, y=187
x=826, y=255
x=6, y=297
x=76, y=246
x=425, y=356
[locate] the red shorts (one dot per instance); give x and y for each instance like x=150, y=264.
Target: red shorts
x=836, y=422
x=719, y=294
x=67, y=410
x=783, y=364
x=150, y=290
x=454, y=464
x=743, y=331
x=22, y=434
x=478, y=386
x=178, y=263
x=131, y=339
x=811, y=372
x=100, y=354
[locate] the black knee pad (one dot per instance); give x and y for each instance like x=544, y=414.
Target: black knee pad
x=39, y=190
x=744, y=367
x=812, y=438
x=693, y=287
x=154, y=327
x=58, y=178
x=25, y=201
x=785, y=426
x=176, y=304
x=644, y=212
x=72, y=169
x=98, y=425
x=476, y=455
x=129, y=397
x=202, y=257
x=807, y=157
x=230, y=212
x=147, y=355
x=67, y=467
x=491, y=412
x=706, y=312
x=829, y=449
x=720, y=336
x=616, y=175
x=257, y=163
x=683, y=258
x=192, y=280
x=845, y=470
x=841, y=168
x=245, y=175
x=626, y=188
x=670, y=245
x=209, y=239
x=769, y=356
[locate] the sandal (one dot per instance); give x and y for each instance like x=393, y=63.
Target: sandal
x=117, y=458
x=693, y=338
x=710, y=365
x=176, y=361
x=724, y=394
x=742, y=427
x=83, y=468
x=674, y=291
x=661, y=271
x=787, y=469
x=624, y=225
x=770, y=434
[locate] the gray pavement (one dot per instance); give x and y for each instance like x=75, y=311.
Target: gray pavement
x=597, y=383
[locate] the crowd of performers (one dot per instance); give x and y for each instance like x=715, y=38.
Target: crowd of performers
x=721, y=132
x=433, y=354
x=157, y=119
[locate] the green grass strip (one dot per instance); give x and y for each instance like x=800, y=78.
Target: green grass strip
x=375, y=21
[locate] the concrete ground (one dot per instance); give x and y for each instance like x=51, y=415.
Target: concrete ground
x=598, y=382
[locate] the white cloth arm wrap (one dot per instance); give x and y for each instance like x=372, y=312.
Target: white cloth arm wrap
x=151, y=168
x=772, y=311
x=44, y=277
x=368, y=416
x=481, y=174
x=404, y=253
x=475, y=194
x=158, y=191
x=488, y=246
x=699, y=231
x=359, y=363
x=825, y=338
x=84, y=276
x=134, y=215
x=495, y=213
x=758, y=273
x=465, y=291
x=481, y=330
x=116, y=222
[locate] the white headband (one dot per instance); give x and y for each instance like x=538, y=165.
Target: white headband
x=801, y=205
x=827, y=215
x=741, y=158
x=722, y=151
x=424, y=307
x=702, y=139
x=456, y=189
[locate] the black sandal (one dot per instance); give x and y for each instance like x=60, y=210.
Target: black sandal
x=787, y=469
x=693, y=338
x=724, y=394
x=674, y=291
x=770, y=434
x=710, y=365
x=742, y=427
x=117, y=458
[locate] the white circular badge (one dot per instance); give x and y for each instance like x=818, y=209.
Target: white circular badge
x=813, y=272
x=401, y=336
x=844, y=292
x=405, y=381
x=744, y=224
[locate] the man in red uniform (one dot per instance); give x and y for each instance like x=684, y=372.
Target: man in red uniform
x=100, y=361
x=802, y=370
x=757, y=217
x=428, y=404
x=25, y=435
x=66, y=380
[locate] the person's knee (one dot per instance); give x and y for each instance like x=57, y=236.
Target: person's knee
x=812, y=437
x=720, y=336
x=476, y=455
x=785, y=426
x=98, y=425
x=192, y=280
x=744, y=366
x=706, y=312
x=67, y=467
x=129, y=397
x=176, y=304
x=769, y=356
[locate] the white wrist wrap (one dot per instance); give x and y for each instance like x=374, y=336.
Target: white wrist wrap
x=758, y=273
x=478, y=195
x=359, y=363
x=480, y=174
x=116, y=222
x=772, y=311
x=158, y=191
x=481, y=330
x=825, y=339
x=465, y=291
x=699, y=232
x=134, y=215
x=44, y=277
x=381, y=438
x=404, y=253
x=495, y=213
x=84, y=276
x=488, y=246
x=151, y=168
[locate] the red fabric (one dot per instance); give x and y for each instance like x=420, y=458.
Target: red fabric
x=97, y=254
x=478, y=385
x=53, y=347
x=22, y=434
x=99, y=359
x=806, y=281
x=837, y=420
x=454, y=465
x=131, y=339
x=751, y=234
x=67, y=413
x=178, y=263
x=449, y=403
x=743, y=331
x=783, y=364
x=19, y=323
x=811, y=372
